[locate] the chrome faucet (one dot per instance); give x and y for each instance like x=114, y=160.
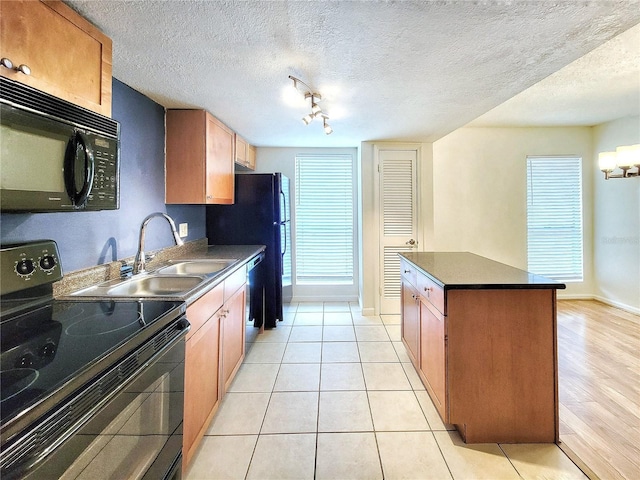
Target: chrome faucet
x=139, y=263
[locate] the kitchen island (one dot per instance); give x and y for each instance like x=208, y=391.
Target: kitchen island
x=482, y=337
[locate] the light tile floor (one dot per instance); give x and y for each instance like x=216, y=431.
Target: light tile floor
x=330, y=394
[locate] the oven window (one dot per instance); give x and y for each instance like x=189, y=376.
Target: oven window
x=137, y=434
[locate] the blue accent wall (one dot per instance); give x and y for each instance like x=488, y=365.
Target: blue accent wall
x=86, y=239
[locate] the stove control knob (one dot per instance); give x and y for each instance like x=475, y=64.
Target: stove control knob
x=48, y=349
x=47, y=262
x=27, y=360
x=25, y=267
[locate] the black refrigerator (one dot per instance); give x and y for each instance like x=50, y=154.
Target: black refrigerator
x=259, y=216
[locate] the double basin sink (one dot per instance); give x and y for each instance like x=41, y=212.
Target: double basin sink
x=177, y=279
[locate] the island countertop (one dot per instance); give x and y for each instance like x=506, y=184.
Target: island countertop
x=464, y=270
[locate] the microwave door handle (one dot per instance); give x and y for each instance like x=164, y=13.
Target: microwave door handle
x=79, y=143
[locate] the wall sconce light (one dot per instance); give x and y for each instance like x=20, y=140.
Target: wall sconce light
x=626, y=158
x=316, y=110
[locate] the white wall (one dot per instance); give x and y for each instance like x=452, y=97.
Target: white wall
x=480, y=192
x=617, y=222
x=282, y=159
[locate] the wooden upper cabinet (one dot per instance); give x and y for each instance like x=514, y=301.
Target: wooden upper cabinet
x=241, y=150
x=67, y=56
x=251, y=157
x=199, y=166
x=245, y=153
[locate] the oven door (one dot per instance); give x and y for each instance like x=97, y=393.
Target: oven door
x=136, y=434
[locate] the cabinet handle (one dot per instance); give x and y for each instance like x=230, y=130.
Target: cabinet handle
x=5, y=62
x=428, y=290
x=23, y=69
x=407, y=271
x=209, y=197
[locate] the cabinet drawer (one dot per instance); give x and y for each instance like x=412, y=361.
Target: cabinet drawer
x=234, y=282
x=201, y=310
x=408, y=272
x=432, y=292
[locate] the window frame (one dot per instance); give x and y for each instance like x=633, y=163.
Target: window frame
x=547, y=186
x=320, y=286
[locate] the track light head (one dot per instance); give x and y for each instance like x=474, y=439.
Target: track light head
x=316, y=110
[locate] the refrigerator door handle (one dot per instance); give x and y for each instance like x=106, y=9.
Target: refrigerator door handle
x=283, y=213
x=285, y=240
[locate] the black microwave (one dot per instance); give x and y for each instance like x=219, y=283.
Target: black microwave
x=55, y=156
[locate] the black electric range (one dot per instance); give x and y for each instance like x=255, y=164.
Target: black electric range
x=52, y=349
x=58, y=346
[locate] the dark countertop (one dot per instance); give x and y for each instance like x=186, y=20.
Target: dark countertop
x=464, y=270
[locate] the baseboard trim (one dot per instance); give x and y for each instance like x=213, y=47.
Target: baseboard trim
x=333, y=298
x=606, y=301
x=621, y=306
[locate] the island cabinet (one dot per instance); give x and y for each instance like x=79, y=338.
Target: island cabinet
x=214, y=352
x=48, y=46
x=486, y=348
x=200, y=153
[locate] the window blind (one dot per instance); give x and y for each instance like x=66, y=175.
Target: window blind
x=554, y=217
x=324, y=219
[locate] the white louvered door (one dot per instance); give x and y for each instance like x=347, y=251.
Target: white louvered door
x=398, y=220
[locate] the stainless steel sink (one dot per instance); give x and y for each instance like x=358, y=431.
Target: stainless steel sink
x=155, y=286
x=204, y=266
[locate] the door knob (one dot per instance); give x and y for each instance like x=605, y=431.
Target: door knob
x=411, y=242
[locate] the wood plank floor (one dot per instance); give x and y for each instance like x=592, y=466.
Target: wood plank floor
x=599, y=387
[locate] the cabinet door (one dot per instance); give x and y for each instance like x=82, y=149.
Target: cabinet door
x=201, y=386
x=251, y=157
x=241, y=151
x=233, y=332
x=219, y=162
x=411, y=322
x=68, y=56
x=432, y=354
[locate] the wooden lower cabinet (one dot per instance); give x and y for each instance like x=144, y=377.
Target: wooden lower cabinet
x=233, y=332
x=432, y=354
x=215, y=350
x=410, y=328
x=201, y=385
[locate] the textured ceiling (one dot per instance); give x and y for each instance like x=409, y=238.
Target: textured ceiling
x=403, y=71
x=601, y=86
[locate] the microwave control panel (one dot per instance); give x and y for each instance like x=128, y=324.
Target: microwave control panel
x=104, y=192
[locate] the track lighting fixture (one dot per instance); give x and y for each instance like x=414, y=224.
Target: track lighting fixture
x=314, y=98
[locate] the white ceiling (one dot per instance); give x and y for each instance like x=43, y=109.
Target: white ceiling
x=394, y=71
x=601, y=86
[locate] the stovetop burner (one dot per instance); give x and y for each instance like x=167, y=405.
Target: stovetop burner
x=16, y=381
x=43, y=348
x=100, y=325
